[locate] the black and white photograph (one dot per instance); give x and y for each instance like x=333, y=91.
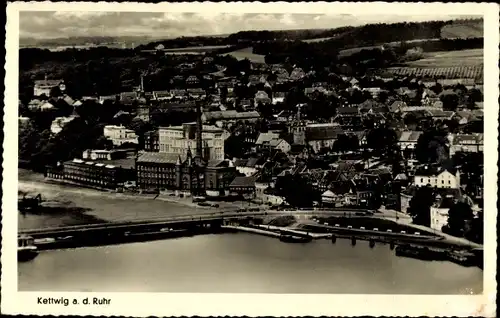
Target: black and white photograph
x=217, y=151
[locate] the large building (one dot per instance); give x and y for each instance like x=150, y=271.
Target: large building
x=120, y=135
x=175, y=167
x=437, y=177
x=94, y=174
x=179, y=140
x=45, y=86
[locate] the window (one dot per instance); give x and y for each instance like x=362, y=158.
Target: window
x=442, y=181
x=449, y=181
x=422, y=180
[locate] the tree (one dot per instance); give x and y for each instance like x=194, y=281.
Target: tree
x=55, y=91
x=476, y=232
x=234, y=146
x=296, y=190
x=420, y=205
x=432, y=147
x=450, y=101
x=458, y=215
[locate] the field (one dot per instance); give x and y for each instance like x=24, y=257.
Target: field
x=246, y=53
x=319, y=39
x=452, y=64
x=348, y=52
x=463, y=30
x=198, y=49
x=472, y=57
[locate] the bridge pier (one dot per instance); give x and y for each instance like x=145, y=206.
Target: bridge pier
x=392, y=245
x=353, y=241
x=372, y=243
x=334, y=239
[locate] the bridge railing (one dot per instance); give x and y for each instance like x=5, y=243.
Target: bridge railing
x=148, y=222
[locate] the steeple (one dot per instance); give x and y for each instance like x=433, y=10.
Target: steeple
x=189, y=156
x=179, y=161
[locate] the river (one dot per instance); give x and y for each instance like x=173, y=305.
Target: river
x=243, y=263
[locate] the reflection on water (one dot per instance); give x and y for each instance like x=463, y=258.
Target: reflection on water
x=244, y=263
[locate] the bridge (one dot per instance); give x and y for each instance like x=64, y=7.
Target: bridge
x=174, y=222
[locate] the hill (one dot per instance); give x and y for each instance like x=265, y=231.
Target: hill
x=463, y=30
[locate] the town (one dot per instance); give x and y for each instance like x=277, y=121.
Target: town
x=288, y=131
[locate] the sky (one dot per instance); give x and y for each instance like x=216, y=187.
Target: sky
x=61, y=24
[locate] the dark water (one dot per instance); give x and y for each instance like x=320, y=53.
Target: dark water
x=233, y=263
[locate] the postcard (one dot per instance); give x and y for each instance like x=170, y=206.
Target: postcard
x=250, y=159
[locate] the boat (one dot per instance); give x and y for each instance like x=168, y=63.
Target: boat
x=463, y=258
x=420, y=252
x=295, y=239
x=26, y=249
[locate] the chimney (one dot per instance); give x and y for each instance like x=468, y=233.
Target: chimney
x=199, y=130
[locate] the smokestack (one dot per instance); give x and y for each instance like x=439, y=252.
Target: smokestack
x=199, y=129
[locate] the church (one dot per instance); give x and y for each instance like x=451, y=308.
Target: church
x=195, y=174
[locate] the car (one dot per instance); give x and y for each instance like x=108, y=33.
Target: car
x=403, y=232
x=325, y=223
x=362, y=228
x=417, y=233
x=349, y=227
x=337, y=225
x=375, y=228
x=389, y=231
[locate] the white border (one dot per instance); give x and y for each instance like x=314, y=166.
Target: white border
x=142, y=304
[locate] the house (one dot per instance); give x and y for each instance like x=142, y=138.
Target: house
x=437, y=177
x=177, y=80
x=408, y=142
x=162, y=95
x=348, y=117
x=464, y=116
x=111, y=98
x=35, y=104
x=253, y=80
x=68, y=100
x=144, y=113
x=243, y=186
x=45, y=86
x=396, y=106
x=439, y=212
x=246, y=166
x=278, y=97
x=265, y=138
x=197, y=93
x=285, y=116
x=229, y=115
x=261, y=97
x=97, y=154
x=208, y=60
x=319, y=136
x=297, y=74
x=179, y=93
x=438, y=114
x=120, y=135
x=278, y=144
x=192, y=80
x=46, y=106
x=329, y=198
x=444, y=200
x=282, y=75
x=59, y=123
x=466, y=143
x=246, y=104
x=128, y=98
